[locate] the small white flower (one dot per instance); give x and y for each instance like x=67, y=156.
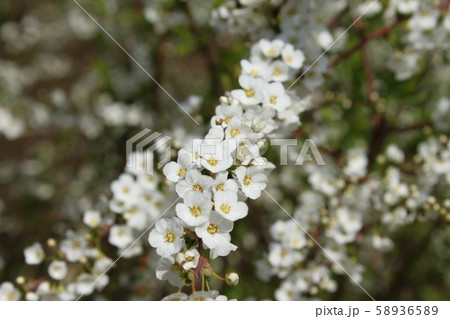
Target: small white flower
x=256, y=68
x=293, y=58
x=280, y=71
x=195, y=210
x=194, y=181
x=191, y=258
x=167, y=269
x=226, y=203
x=252, y=90
x=124, y=188
x=216, y=232
x=252, y=181
x=166, y=236
x=8, y=292
x=92, y=218
x=222, y=183
x=120, y=236
x=217, y=157
x=34, y=254
x=73, y=247
x=395, y=154
x=274, y=96
x=57, y=270
x=271, y=49
x=178, y=296
x=225, y=113
x=174, y=171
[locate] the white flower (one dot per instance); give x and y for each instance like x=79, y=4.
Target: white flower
x=395, y=154
x=120, y=236
x=194, y=181
x=226, y=203
x=293, y=58
x=216, y=232
x=191, y=258
x=166, y=236
x=252, y=181
x=92, y=218
x=195, y=210
x=167, y=269
x=256, y=69
x=407, y=6
x=237, y=130
x=73, y=247
x=225, y=113
x=217, y=157
x=204, y=295
x=34, y=254
x=271, y=49
x=280, y=256
x=57, y=270
x=8, y=292
x=124, y=188
x=274, y=96
x=280, y=71
x=222, y=183
x=252, y=90
x=178, y=296
x=174, y=171
x=357, y=164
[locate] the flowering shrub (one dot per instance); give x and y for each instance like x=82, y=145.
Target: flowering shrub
x=351, y=213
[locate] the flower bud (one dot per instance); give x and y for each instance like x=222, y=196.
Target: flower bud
x=232, y=279
x=51, y=242
x=20, y=280
x=191, y=276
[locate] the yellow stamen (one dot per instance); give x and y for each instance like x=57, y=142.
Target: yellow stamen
x=212, y=229
x=234, y=132
x=225, y=208
x=212, y=161
x=250, y=93
x=169, y=237
x=197, y=188
x=196, y=211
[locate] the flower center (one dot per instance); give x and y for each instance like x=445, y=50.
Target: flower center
x=212, y=161
x=250, y=93
x=75, y=245
x=181, y=171
x=227, y=119
x=288, y=59
x=190, y=258
x=212, y=229
x=219, y=188
x=235, y=132
x=273, y=99
x=225, y=208
x=247, y=180
x=169, y=237
x=197, y=188
x=125, y=190
x=196, y=211
x=254, y=72
x=10, y=296
x=277, y=72
x=271, y=52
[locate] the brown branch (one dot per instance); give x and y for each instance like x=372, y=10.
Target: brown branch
x=335, y=20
